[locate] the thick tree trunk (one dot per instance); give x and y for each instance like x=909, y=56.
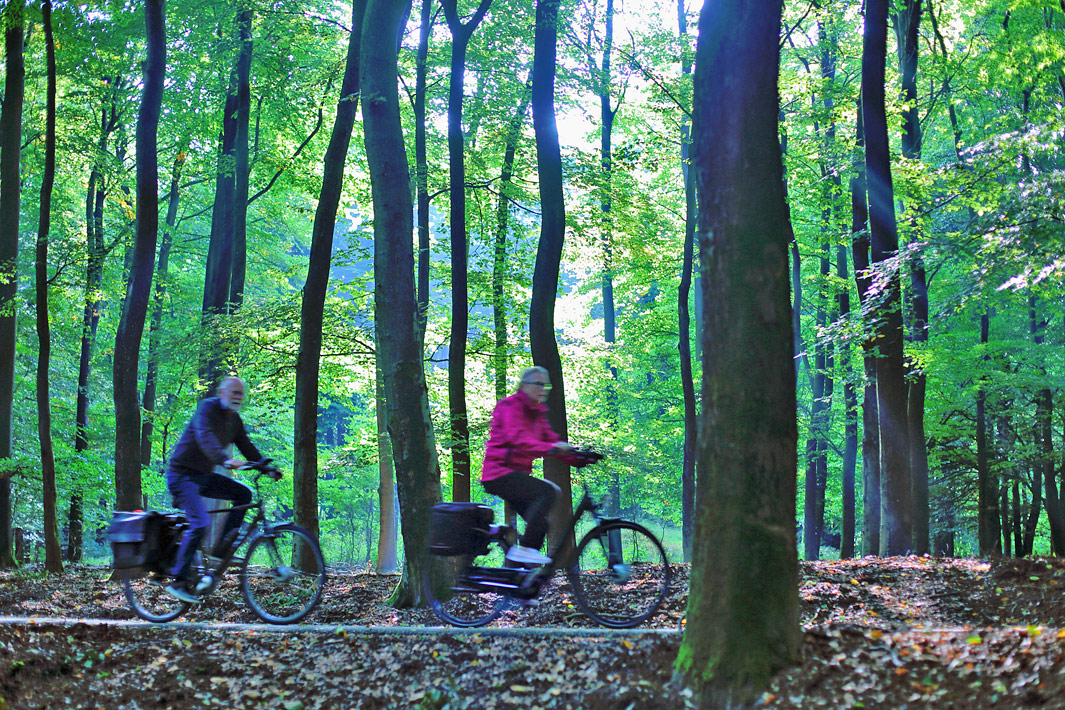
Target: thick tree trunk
x=135, y=309
x=151, y=378
x=549, y=252
x=460, y=316
x=742, y=606
x=305, y=417
x=53, y=555
x=687, y=378
x=395, y=308
x=10, y=158
x=896, y=506
x=241, y=168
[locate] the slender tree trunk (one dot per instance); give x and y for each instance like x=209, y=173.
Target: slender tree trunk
x=742, y=606
x=241, y=168
x=1036, y=507
x=1015, y=516
x=850, y=413
x=10, y=158
x=499, y=256
x=305, y=436
x=1004, y=518
x=421, y=162
x=988, y=533
x=395, y=308
x=549, y=252
x=53, y=555
x=1043, y=436
x=896, y=506
x=687, y=378
x=460, y=316
x=131, y=324
x=387, y=547
x=151, y=378
x=870, y=419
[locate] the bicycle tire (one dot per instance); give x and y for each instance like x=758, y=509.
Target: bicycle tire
x=620, y=593
x=276, y=586
x=147, y=598
x=454, y=600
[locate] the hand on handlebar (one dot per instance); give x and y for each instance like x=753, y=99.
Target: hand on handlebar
x=235, y=463
x=562, y=447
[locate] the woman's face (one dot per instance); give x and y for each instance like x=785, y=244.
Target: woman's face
x=537, y=387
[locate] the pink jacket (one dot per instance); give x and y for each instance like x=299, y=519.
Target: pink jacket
x=519, y=435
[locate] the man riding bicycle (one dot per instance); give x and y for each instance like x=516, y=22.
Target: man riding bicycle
x=191, y=478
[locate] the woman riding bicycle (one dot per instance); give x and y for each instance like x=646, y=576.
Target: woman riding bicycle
x=520, y=434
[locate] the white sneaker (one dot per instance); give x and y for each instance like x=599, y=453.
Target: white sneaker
x=527, y=556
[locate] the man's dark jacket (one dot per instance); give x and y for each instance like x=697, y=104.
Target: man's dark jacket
x=202, y=445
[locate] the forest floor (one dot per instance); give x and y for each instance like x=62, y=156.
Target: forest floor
x=878, y=633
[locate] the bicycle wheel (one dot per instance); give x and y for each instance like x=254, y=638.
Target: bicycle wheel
x=146, y=597
x=458, y=601
x=283, y=574
x=621, y=575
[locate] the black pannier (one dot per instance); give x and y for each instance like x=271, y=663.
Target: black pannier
x=459, y=529
x=134, y=538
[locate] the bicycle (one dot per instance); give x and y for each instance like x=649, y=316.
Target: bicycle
x=282, y=574
x=619, y=572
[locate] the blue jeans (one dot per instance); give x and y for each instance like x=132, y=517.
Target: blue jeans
x=189, y=490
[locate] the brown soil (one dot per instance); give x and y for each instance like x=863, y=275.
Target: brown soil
x=892, y=633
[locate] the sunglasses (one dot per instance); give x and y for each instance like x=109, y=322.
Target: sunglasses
x=545, y=385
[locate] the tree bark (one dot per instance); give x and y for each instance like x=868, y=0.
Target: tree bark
x=53, y=555
x=151, y=378
x=387, y=547
x=549, y=252
x=896, y=505
x=10, y=158
x=687, y=378
x=460, y=316
x=1043, y=437
x=744, y=566
x=988, y=532
x=134, y=311
x=850, y=414
x=395, y=308
x=305, y=418
x=499, y=255
x=421, y=162
x=241, y=168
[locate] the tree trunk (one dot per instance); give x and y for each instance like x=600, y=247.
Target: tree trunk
x=870, y=419
x=850, y=413
x=134, y=311
x=744, y=566
x=421, y=162
x=305, y=436
x=241, y=168
x=151, y=377
x=387, y=547
x=499, y=255
x=10, y=158
x=1043, y=437
x=896, y=507
x=53, y=555
x=687, y=378
x=460, y=316
x=1004, y=518
x=395, y=308
x=549, y=252
x=988, y=532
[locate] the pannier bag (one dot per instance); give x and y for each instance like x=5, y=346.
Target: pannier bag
x=135, y=538
x=459, y=529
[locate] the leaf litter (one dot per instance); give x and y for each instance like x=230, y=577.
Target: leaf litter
x=878, y=633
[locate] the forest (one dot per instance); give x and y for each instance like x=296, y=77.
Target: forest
x=378, y=231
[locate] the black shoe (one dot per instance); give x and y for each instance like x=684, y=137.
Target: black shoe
x=225, y=544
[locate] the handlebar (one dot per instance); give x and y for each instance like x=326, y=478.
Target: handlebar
x=265, y=467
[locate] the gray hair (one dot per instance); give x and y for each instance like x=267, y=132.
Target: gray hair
x=535, y=369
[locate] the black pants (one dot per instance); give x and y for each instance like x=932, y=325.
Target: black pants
x=531, y=497
x=189, y=491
